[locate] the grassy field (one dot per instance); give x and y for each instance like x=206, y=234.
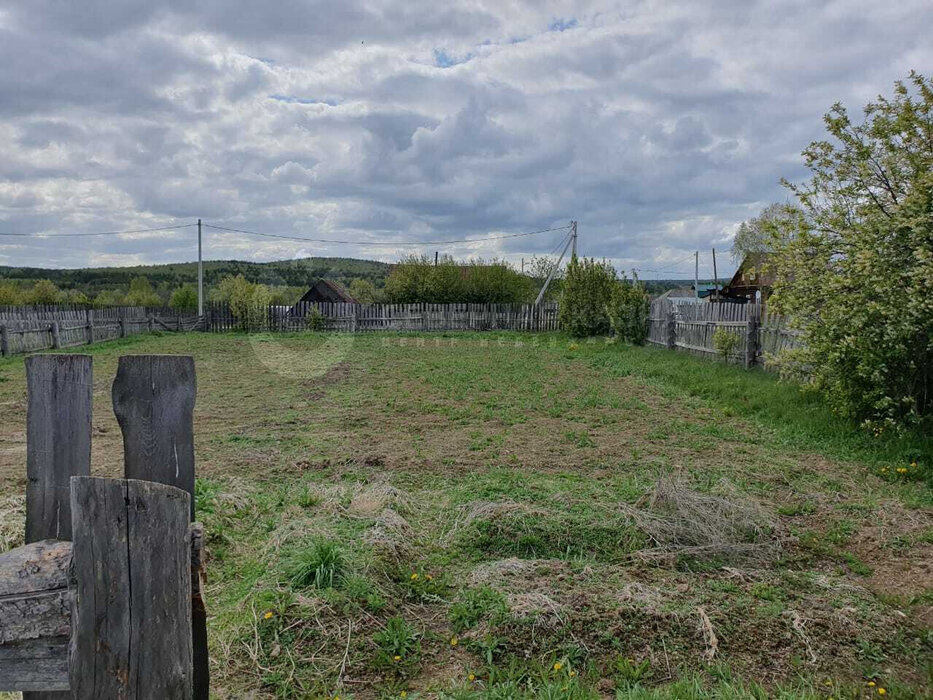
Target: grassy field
x=507, y=516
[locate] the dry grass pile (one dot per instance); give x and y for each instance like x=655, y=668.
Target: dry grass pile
x=685, y=524
x=12, y=521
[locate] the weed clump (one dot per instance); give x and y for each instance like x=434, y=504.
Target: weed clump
x=703, y=530
x=321, y=565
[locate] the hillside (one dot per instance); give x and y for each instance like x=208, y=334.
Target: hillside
x=164, y=278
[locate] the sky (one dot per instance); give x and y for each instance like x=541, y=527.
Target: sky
x=659, y=125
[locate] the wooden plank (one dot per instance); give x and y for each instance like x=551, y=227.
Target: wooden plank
x=35, y=618
x=132, y=566
x=58, y=439
x=39, y=665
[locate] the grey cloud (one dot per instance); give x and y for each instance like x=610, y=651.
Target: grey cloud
x=659, y=126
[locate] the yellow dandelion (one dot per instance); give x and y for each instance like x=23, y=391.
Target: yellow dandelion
x=267, y=616
x=882, y=691
x=902, y=470
x=913, y=464
x=871, y=684
x=558, y=665
x=396, y=658
x=429, y=577
x=827, y=682
x=471, y=677
x=414, y=577
x=454, y=641
x=573, y=673
x=403, y=694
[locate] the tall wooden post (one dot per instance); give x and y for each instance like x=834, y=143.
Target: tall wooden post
x=90, y=326
x=671, y=324
x=132, y=591
x=58, y=446
x=751, y=338
x=4, y=340
x=153, y=399
x=56, y=335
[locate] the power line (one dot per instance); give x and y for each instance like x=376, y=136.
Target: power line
x=377, y=243
x=95, y=233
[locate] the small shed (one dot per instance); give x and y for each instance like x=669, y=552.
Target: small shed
x=326, y=291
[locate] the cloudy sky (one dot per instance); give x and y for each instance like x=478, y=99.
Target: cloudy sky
x=658, y=125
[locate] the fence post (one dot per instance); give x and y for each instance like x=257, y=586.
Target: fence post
x=133, y=537
x=56, y=336
x=751, y=339
x=671, y=325
x=122, y=327
x=153, y=399
x=58, y=439
x=4, y=341
x=90, y=326
x=151, y=323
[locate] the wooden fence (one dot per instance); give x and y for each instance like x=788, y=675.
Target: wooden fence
x=104, y=600
x=756, y=334
x=386, y=317
x=31, y=328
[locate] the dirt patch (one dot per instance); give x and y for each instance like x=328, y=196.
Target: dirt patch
x=338, y=373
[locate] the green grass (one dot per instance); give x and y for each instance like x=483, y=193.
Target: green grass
x=380, y=496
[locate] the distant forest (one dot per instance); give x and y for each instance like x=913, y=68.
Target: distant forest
x=288, y=279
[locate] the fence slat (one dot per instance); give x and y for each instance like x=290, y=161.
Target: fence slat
x=131, y=537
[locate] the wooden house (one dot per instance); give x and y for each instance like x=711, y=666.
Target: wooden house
x=753, y=281
x=325, y=291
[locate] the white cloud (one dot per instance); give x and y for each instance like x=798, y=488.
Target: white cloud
x=658, y=125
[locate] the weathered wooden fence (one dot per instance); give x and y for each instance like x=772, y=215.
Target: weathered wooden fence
x=386, y=317
x=30, y=328
x=756, y=334
x=104, y=600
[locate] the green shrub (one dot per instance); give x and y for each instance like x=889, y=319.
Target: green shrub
x=417, y=280
x=725, y=342
x=315, y=320
x=185, y=298
x=248, y=302
x=587, y=297
x=628, y=312
x=854, y=264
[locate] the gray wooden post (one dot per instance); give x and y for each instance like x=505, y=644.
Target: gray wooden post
x=56, y=336
x=751, y=340
x=122, y=327
x=132, y=591
x=58, y=439
x=671, y=325
x=151, y=324
x=90, y=326
x=4, y=341
x=153, y=399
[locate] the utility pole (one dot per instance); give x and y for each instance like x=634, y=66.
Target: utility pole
x=200, y=275
x=523, y=266
x=696, y=275
x=715, y=275
x=573, y=237
x=435, y=258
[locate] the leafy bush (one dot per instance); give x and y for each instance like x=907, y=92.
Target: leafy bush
x=855, y=265
x=315, y=320
x=418, y=280
x=725, y=342
x=43, y=292
x=142, y=294
x=185, y=298
x=586, y=297
x=248, y=302
x=628, y=312
x=10, y=294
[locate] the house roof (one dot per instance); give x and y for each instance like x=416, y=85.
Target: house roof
x=754, y=272
x=327, y=290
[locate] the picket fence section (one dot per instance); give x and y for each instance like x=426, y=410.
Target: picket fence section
x=337, y=317
x=756, y=334
x=30, y=328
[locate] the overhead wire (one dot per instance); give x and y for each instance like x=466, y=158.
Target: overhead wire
x=377, y=243
x=39, y=234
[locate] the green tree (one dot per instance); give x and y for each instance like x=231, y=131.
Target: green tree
x=184, y=298
x=363, y=291
x=10, y=294
x=628, y=311
x=586, y=297
x=855, y=269
x=44, y=292
x=758, y=235
x=142, y=294
x=417, y=279
x=109, y=297
x=248, y=302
